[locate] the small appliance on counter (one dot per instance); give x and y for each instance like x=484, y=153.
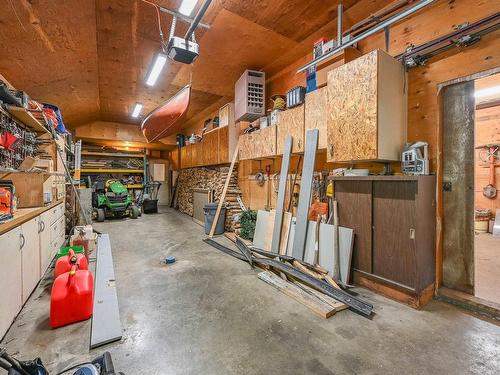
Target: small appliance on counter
x=415, y=159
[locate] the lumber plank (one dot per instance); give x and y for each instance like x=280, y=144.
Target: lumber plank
x=106, y=325
x=311, y=301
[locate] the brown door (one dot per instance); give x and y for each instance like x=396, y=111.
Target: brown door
x=458, y=186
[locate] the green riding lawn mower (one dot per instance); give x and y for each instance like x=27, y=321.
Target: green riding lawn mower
x=111, y=199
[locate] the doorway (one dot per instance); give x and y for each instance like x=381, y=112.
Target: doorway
x=471, y=153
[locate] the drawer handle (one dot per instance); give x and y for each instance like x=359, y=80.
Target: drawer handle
x=23, y=240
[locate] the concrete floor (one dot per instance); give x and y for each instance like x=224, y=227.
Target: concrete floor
x=486, y=267
x=209, y=313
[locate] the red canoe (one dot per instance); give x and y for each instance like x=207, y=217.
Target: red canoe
x=167, y=118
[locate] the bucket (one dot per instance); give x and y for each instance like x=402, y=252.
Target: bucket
x=150, y=206
x=210, y=209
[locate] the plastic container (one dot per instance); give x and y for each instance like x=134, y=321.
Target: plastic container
x=64, y=263
x=210, y=209
x=64, y=250
x=150, y=206
x=71, y=299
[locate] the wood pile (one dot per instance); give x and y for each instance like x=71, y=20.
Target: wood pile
x=213, y=179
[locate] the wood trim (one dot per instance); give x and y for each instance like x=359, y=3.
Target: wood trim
x=26, y=214
x=412, y=299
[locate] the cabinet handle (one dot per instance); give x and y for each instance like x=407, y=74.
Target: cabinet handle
x=23, y=240
x=43, y=225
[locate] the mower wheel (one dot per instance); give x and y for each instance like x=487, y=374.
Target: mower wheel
x=100, y=215
x=134, y=212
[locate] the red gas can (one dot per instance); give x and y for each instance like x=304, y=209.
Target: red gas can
x=64, y=263
x=71, y=299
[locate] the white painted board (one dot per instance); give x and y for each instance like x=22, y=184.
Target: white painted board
x=260, y=229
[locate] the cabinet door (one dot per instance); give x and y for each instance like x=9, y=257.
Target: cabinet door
x=394, y=231
x=30, y=249
x=352, y=110
x=46, y=250
x=10, y=278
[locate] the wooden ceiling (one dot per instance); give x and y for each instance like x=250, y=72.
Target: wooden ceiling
x=90, y=57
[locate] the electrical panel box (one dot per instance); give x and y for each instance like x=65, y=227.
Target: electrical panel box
x=250, y=96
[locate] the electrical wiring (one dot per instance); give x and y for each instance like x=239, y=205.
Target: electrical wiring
x=157, y=7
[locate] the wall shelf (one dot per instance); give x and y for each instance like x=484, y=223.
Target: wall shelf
x=26, y=118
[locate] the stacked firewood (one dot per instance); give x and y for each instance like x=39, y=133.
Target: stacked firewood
x=213, y=179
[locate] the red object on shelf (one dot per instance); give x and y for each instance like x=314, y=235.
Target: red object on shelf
x=64, y=263
x=71, y=299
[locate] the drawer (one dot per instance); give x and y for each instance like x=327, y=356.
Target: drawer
x=56, y=213
x=57, y=229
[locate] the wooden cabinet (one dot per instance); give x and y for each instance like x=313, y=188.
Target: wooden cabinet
x=216, y=147
x=210, y=148
x=186, y=157
x=316, y=113
x=393, y=218
x=10, y=277
x=291, y=122
x=366, y=106
x=30, y=250
x=258, y=144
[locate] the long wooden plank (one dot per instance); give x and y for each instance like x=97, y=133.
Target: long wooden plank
x=224, y=191
x=106, y=325
x=280, y=203
x=308, y=299
x=299, y=241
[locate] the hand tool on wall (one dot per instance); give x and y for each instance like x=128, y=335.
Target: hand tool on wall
x=488, y=154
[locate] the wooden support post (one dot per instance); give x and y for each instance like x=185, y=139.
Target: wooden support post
x=224, y=191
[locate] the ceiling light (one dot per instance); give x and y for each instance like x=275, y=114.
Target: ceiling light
x=187, y=7
x=155, y=69
x=137, y=110
x=490, y=91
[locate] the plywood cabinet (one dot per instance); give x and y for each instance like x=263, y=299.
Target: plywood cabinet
x=291, y=122
x=366, y=106
x=216, y=147
x=10, y=277
x=316, y=114
x=210, y=148
x=258, y=144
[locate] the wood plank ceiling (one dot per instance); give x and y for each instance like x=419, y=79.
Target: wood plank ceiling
x=90, y=57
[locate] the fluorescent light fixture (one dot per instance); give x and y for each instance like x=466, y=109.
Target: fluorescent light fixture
x=490, y=91
x=187, y=7
x=137, y=110
x=155, y=70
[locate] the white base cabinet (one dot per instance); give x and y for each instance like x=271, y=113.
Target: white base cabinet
x=26, y=252
x=10, y=277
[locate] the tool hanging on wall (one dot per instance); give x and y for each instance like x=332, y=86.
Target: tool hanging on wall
x=489, y=156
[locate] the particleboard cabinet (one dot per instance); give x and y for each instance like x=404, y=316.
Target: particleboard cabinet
x=366, y=107
x=291, y=122
x=258, y=144
x=316, y=114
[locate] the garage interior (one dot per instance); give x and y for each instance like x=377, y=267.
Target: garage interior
x=229, y=186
